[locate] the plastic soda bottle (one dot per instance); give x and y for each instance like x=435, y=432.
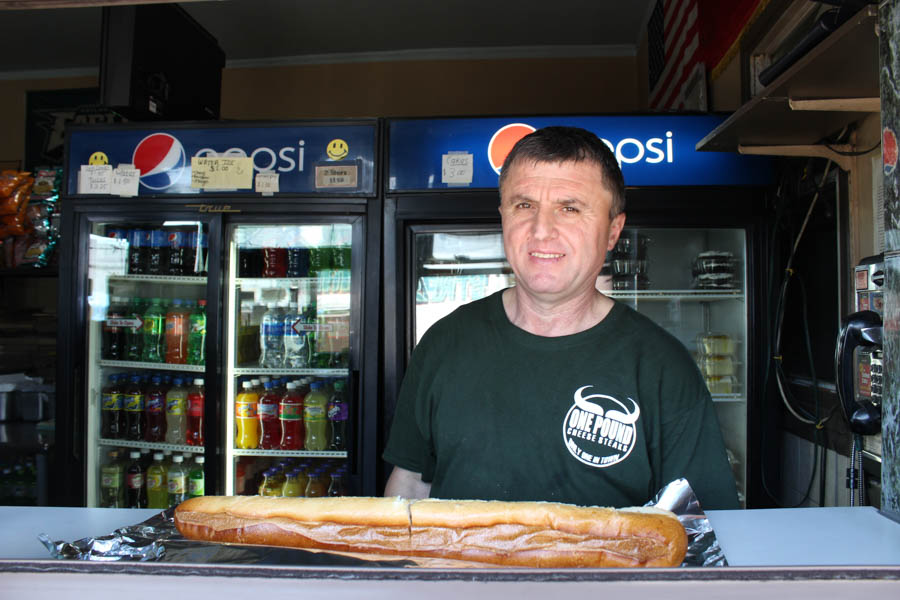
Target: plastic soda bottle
x=134, y=332
x=112, y=416
x=156, y=259
x=315, y=420
x=196, y=479
x=157, y=487
x=135, y=252
x=136, y=493
x=176, y=334
x=196, y=346
x=290, y=415
x=176, y=413
x=274, y=262
x=133, y=400
x=296, y=347
x=245, y=413
x=112, y=343
x=196, y=400
x=154, y=329
x=112, y=484
x=176, y=252
x=271, y=342
x=155, y=409
x=269, y=426
x=337, y=417
x=176, y=481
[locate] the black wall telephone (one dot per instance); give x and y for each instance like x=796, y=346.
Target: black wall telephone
x=860, y=329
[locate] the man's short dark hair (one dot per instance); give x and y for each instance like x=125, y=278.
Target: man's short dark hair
x=570, y=144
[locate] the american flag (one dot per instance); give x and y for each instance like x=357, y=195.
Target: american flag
x=673, y=37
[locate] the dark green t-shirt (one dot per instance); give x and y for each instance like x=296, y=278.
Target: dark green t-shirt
x=605, y=417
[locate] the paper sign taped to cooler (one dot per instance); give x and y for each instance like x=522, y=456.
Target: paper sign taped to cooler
x=222, y=172
x=457, y=168
x=125, y=180
x=95, y=179
x=337, y=176
x=267, y=182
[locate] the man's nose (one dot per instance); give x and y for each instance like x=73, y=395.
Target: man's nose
x=544, y=224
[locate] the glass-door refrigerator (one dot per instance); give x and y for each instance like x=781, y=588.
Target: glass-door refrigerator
x=688, y=258
x=183, y=291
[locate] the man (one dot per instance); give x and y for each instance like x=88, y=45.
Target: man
x=550, y=390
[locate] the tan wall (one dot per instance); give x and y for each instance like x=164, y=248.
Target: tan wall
x=12, y=110
x=407, y=88
x=432, y=88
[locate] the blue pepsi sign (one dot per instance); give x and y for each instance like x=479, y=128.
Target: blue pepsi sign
x=652, y=150
x=163, y=154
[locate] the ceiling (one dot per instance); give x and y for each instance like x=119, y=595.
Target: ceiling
x=265, y=32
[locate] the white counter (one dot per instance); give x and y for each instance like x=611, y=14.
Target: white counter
x=812, y=553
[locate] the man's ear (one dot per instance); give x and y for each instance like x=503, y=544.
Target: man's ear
x=615, y=230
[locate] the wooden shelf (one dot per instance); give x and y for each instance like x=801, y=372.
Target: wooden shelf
x=843, y=66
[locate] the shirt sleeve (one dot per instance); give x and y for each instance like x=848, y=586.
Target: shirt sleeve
x=409, y=443
x=692, y=446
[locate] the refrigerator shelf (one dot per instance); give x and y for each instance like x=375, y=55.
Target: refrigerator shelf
x=263, y=371
x=179, y=279
x=131, y=364
x=686, y=295
x=283, y=282
x=150, y=445
x=307, y=453
x=728, y=397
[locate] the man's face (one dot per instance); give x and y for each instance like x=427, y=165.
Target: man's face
x=556, y=227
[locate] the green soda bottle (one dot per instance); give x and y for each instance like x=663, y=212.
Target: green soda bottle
x=197, y=335
x=196, y=479
x=157, y=486
x=154, y=332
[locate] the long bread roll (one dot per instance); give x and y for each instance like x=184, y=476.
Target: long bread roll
x=533, y=534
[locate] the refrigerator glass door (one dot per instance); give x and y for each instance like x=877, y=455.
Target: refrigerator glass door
x=291, y=327
x=146, y=287
x=454, y=268
x=693, y=283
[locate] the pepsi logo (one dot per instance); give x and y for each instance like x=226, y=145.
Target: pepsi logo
x=503, y=141
x=161, y=160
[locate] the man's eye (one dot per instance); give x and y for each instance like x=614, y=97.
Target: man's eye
x=570, y=209
x=523, y=205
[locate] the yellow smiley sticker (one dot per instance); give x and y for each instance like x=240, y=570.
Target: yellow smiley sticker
x=337, y=149
x=98, y=158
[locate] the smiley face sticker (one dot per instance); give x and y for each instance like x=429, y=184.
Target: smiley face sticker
x=98, y=158
x=337, y=149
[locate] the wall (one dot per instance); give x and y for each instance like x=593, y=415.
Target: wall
x=384, y=89
x=12, y=110
x=432, y=88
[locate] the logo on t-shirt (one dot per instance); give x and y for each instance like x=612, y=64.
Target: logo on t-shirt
x=599, y=430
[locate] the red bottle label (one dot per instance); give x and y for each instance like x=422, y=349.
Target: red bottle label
x=195, y=405
x=290, y=411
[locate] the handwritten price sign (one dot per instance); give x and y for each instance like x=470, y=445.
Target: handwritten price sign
x=222, y=172
x=457, y=168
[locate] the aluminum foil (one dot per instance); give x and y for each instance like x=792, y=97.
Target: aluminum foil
x=157, y=539
x=703, y=547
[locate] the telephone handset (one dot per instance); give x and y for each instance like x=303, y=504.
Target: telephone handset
x=859, y=329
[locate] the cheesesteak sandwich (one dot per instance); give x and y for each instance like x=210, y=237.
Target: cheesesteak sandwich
x=531, y=534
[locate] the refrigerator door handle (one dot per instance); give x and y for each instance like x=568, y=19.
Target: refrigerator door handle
x=353, y=456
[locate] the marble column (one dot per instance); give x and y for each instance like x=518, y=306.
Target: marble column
x=889, y=49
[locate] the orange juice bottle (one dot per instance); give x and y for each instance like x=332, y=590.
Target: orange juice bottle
x=246, y=418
